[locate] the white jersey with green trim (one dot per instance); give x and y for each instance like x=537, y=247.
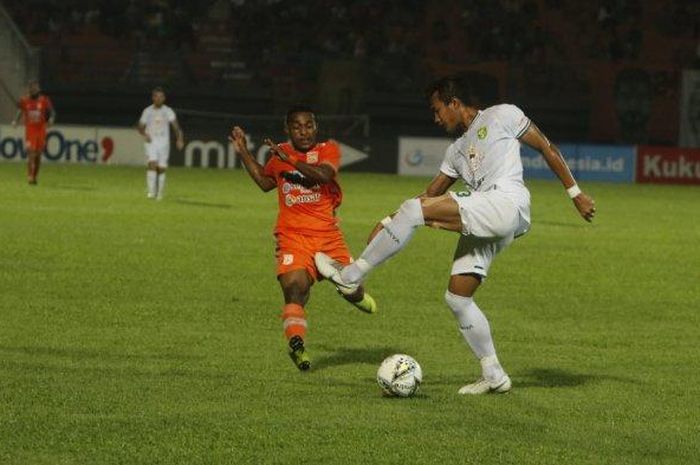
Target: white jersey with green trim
x=487, y=155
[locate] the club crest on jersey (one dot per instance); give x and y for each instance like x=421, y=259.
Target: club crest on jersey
x=287, y=259
x=312, y=157
x=482, y=133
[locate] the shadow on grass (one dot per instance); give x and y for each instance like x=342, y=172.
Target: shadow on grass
x=348, y=355
x=196, y=203
x=558, y=378
x=83, y=354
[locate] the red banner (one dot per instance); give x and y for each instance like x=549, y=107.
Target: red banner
x=668, y=165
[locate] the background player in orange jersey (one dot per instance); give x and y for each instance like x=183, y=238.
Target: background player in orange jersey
x=36, y=110
x=304, y=172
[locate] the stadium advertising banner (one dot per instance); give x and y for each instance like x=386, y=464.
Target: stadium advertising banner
x=422, y=156
x=668, y=165
x=210, y=149
x=77, y=144
x=611, y=163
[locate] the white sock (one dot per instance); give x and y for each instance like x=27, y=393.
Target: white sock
x=151, y=176
x=476, y=332
x=388, y=242
x=161, y=184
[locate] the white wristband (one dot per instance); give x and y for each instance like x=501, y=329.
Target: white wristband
x=573, y=191
x=386, y=220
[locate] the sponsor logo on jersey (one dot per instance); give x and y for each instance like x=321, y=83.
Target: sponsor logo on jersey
x=287, y=259
x=312, y=157
x=482, y=133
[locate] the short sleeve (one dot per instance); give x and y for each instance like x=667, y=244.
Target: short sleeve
x=171, y=115
x=21, y=105
x=447, y=167
x=49, y=103
x=514, y=121
x=144, y=117
x=330, y=154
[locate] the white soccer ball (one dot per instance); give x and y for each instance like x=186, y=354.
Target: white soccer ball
x=399, y=375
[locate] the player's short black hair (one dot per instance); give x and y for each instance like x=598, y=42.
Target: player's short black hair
x=158, y=89
x=450, y=87
x=298, y=108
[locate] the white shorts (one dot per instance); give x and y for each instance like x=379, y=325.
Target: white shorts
x=158, y=152
x=490, y=221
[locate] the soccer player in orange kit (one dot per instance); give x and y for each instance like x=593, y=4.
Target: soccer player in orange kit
x=36, y=110
x=304, y=172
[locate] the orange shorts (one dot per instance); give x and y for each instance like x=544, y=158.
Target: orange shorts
x=35, y=141
x=296, y=251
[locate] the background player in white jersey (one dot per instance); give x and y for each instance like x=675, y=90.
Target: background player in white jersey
x=154, y=126
x=492, y=211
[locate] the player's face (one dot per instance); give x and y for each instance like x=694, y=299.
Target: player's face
x=445, y=115
x=302, y=131
x=34, y=88
x=158, y=98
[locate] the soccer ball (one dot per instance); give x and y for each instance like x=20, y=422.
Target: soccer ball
x=399, y=375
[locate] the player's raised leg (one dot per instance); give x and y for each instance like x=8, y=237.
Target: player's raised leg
x=440, y=212
x=296, y=285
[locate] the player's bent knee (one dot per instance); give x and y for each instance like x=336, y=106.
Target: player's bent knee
x=413, y=209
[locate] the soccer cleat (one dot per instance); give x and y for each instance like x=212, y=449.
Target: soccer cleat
x=150, y=196
x=367, y=304
x=298, y=354
x=330, y=269
x=484, y=386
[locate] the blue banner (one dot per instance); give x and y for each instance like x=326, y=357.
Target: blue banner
x=612, y=163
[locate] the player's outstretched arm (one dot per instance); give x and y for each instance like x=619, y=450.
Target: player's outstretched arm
x=255, y=169
x=538, y=141
x=320, y=174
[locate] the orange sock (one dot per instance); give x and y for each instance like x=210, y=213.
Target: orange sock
x=294, y=321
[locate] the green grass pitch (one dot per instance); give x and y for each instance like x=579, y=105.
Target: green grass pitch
x=136, y=332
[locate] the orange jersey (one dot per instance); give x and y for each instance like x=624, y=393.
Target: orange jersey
x=35, y=113
x=305, y=207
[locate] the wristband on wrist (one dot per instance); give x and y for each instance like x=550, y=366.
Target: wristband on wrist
x=573, y=191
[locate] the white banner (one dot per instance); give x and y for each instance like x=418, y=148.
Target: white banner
x=690, y=109
x=77, y=144
x=421, y=156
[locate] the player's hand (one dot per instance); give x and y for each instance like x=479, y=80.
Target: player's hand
x=238, y=139
x=585, y=206
x=276, y=149
x=377, y=229
x=180, y=144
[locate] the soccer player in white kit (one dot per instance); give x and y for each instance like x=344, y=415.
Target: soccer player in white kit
x=489, y=214
x=154, y=126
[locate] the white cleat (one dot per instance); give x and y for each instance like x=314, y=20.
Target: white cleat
x=485, y=386
x=330, y=269
x=150, y=196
